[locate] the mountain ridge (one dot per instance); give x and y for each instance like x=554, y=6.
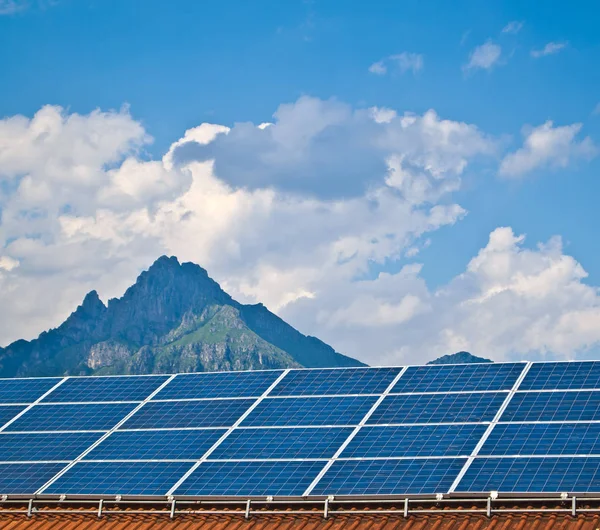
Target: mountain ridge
x=174, y=318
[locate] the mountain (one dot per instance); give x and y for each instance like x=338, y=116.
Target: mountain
x=461, y=357
x=175, y=318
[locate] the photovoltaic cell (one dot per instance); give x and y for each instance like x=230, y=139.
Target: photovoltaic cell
x=178, y=414
x=119, y=478
x=389, y=477
x=22, y=479
x=562, y=376
x=437, y=408
x=310, y=411
x=532, y=475
x=156, y=445
x=421, y=440
x=45, y=446
x=8, y=412
x=85, y=389
x=459, y=377
x=553, y=406
x=219, y=384
x=25, y=390
x=282, y=443
x=336, y=381
x=251, y=478
x=87, y=417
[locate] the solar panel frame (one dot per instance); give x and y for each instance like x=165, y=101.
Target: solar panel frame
x=99, y=389
x=474, y=407
x=250, y=478
x=375, y=441
x=298, y=411
x=211, y=385
x=562, y=405
x=25, y=479
x=335, y=382
x=527, y=474
x=44, y=446
x=389, y=476
x=24, y=390
x=447, y=378
x=563, y=375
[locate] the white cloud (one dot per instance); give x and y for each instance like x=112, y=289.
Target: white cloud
x=307, y=256
x=9, y=7
x=484, y=56
x=378, y=68
x=404, y=61
x=513, y=27
x=550, y=49
x=547, y=146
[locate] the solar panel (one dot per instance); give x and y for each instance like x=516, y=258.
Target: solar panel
x=8, y=412
x=156, y=445
x=459, y=377
x=88, y=417
x=178, y=414
x=289, y=478
x=438, y=408
x=219, y=384
x=311, y=442
x=543, y=439
x=389, y=477
x=335, y=381
x=310, y=411
x=44, y=446
x=532, y=475
x=87, y=389
x=22, y=479
x=119, y=478
x=415, y=440
x=25, y=390
x=562, y=376
x=553, y=406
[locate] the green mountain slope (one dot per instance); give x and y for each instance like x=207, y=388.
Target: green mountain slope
x=173, y=319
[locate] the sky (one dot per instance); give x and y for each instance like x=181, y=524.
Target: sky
x=400, y=179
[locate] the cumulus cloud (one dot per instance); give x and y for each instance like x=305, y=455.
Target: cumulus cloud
x=547, y=146
x=404, y=61
x=484, y=57
x=83, y=208
x=513, y=27
x=330, y=150
x=550, y=49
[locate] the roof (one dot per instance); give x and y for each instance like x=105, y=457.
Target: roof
x=544, y=515
x=357, y=521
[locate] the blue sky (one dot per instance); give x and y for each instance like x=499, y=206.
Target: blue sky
x=179, y=64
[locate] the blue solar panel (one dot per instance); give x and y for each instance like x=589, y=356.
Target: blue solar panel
x=219, y=384
x=543, y=439
x=88, y=417
x=178, y=414
x=119, y=478
x=532, y=475
x=562, y=376
x=459, y=377
x=8, y=412
x=416, y=440
x=310, y=411
x=553, y=406
x=282, y=443
x=438, y=408
x=24, y=390
x=336, y=381
x=251, y=478
x=156, y=445
x=389, y=477
x=85, y=389
x=23, y=479
x=44, y=446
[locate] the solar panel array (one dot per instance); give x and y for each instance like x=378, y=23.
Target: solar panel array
x=510, y=427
